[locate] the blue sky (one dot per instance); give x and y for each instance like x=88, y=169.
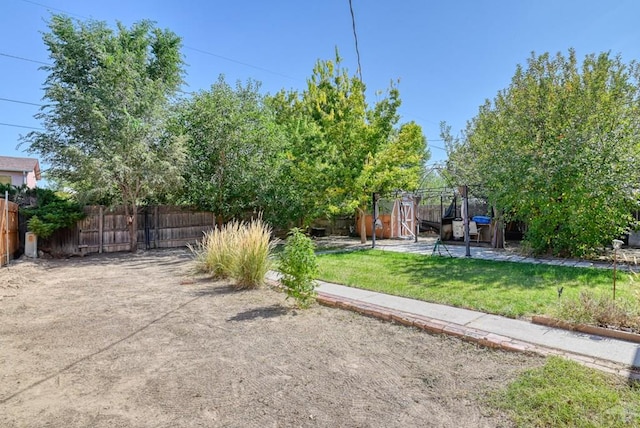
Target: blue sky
x=449, y=56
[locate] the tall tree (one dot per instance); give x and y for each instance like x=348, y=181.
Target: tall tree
x=107, y=95
x=340, y=149
x=558, y=150
x=234, y=151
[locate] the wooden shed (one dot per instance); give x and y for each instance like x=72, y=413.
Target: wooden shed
x=396, y=218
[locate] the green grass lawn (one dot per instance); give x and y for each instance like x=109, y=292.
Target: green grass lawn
x=504, y=288
x=563, y=393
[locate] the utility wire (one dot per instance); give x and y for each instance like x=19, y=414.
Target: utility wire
x=202, y=51
x=355, y=37
x=53, y=8
x=23, y=59
x=20, y=102
x=21, y=126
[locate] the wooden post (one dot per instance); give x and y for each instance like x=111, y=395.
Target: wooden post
x=465, y=219
x=100, y=230
x=374, y=219
x=6, y=223
x=155, y=226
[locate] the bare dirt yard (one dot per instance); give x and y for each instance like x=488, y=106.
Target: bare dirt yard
x=138, y=341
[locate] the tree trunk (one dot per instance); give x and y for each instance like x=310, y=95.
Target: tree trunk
x=131, y=213
x=363, y=227
x=497, y=238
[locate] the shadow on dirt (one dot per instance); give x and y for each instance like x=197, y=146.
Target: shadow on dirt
x=264, y=312
x=213, y=290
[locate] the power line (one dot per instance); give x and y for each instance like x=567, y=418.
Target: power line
x=355, y=36
x=202, y=51
x=20, y=102
x=53, y=8
x=186, y=47
x=23, y=59
x=21, y=126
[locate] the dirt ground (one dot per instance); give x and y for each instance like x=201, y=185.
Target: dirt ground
x=138, y=341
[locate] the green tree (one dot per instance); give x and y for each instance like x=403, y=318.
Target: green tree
x=234, y=151
x=341, y=150
x=107, y=95
x=558, y=150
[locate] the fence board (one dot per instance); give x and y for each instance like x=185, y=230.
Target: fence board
x=106, y=229
x=12, y=227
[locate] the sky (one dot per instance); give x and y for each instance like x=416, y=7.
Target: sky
x=447, y=56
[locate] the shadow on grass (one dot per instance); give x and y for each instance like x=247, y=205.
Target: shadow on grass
x=264, y=312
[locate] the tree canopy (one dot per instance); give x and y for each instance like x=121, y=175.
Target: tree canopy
x=558, y=150
x=234, y=151
x=340, y=149
x=107, y=95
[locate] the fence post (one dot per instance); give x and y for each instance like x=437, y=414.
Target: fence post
x=155, y=226
x=6, y=222
x=100, y=230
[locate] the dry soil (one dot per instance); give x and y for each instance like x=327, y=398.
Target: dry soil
x=136, y=340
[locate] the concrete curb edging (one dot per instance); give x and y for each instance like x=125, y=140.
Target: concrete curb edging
x=469, y=334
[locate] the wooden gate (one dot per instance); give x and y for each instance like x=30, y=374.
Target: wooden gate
x=8, y=230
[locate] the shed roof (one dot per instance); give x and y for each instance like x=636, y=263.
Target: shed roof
x=13, y=164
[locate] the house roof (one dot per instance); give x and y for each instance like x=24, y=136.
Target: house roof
x=9, y=163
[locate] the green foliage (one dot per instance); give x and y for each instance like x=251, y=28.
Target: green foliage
x=299, y=268
x=563, y=393
x=340, y=149
x=558, y=150
x=107, y=95
x=237, y=250
x=52, y=213
x=18, y=194
x=234, y=151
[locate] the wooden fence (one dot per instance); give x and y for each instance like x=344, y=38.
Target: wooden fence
x=106, y=230
x=8, y=230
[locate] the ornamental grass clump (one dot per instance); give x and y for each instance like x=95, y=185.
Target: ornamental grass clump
x=240, y=251
x=251, y=259
x=299, y=268
x=216, y=253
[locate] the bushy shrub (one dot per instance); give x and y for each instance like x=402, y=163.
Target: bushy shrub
x=237, y=250
x=52, y=212
x=299, y=268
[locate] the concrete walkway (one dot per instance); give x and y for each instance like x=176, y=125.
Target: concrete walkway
x=612, y=355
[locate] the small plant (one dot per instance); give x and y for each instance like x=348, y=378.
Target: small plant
x=299, y=268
